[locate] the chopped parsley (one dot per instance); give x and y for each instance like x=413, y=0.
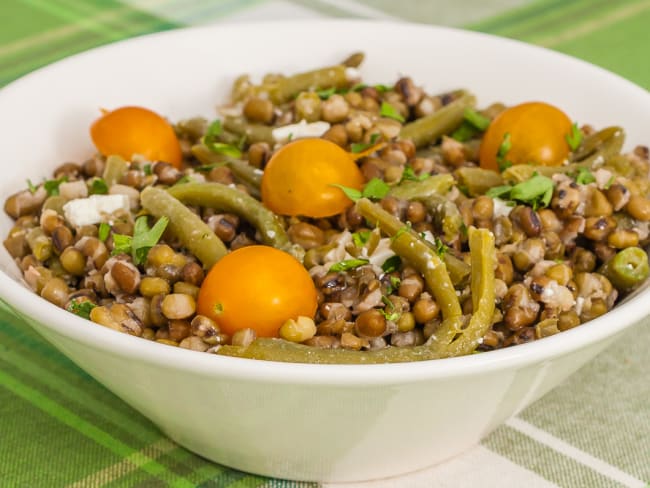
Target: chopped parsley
x=205, y=168
x=609, y=182
x=361, y=238
x=439, y=247
x=325, y=94
x=391, y=264
x=142, y=240
x=211, y=141
x=536, y=191
x=98, y=187
x=393, y=314
x=103, y=231
x=574, y=138
x=387, y=110
x=147, y=169
x=81, y=307
x=52, y=186
x=358, y=147
x=375, y=189
x=409, y=175
x=584, y=176
x=473, y=124
x=504, y=148
x=349, y=264
x=32, y=187
x=477, y=120
x=465, y=132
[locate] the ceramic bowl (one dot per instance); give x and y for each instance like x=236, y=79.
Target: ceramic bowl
x=306, y=422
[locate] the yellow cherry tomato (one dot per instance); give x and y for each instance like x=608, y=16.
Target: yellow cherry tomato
x=126, y=131
x=299, y=179
x=257, y=287
x=535, y=131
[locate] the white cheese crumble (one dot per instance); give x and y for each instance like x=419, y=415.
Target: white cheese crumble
x=501, y=208
x=352, y=74
x=300, y=130
x=86, y=211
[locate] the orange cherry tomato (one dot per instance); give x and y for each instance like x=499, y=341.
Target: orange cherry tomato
x=537, y=134
x=257, y=287
x=299, y=179
x=126, y=131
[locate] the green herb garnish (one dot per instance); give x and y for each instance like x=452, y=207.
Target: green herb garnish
x=499, y=191
x=465, y=132
x=361, y=238
x=574, y=139
x=103, y=231
x=537, y=191
x=32, y=187
x=204, y=168
x=584, y=176
x=211, y=141
x=505, y=146
x=409, y=175
x=439, y=247
x=402, y=230
x=382, y=88
x=98, y=187
x=52, y=186
x=358, y=147
x=387, y=110
x=142, y=240
x=375, y=189
x=393, y=263
x=349, y=264
x=326, y=93
x=81, y=307
x=393, y=314
x=609, y=182
x=147, y=169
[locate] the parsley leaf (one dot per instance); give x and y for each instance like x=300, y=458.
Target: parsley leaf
x=387, y=110
x=409, y=175
x=325, y=94
x=98, y=187
x=499, y=191
x=375, y=189
x=393, y=314
x=211, y=140
x=147, y=169
x=205, y=168
x=609, y=182
x=360, y=238
x=382, y=88
x=143, y=239
x=574, y=139
x=391, y=264
x=348, y=264
x=536, y=191
x=476, y=119
x=52, y=186
x=505, y=146
x=358, y=147
x=439, y=247
x=81, y=307
x=32, y=187
x=465, y=132
x=102, y=232
x=584, y=176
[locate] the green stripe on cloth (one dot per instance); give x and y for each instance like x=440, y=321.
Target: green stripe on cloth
x=89, y=430
x=610, y=34
x=81, y=26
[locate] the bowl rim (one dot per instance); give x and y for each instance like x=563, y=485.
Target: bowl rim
x=22, y=300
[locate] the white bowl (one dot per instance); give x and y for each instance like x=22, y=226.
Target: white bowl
x=307, y=422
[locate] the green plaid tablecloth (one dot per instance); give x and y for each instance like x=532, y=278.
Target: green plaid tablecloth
x=58, y=427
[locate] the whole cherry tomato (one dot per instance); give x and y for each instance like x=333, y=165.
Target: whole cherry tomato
x=299, y=179
x=529, y=133
x=257, y=287
x=126, y=131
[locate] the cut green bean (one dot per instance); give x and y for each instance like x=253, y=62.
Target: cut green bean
x=434, y=185
x=221, y=197
x=428, y=129
x=253, y=132
x=354, y=60
x=482, y=256
x=478, y=180
x=243, y=172
x=115, y=168
x=627, y=269
x=285, y=89
x=188, y=227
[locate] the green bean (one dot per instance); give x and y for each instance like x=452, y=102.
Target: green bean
x=285, y=89
x=420, y=190
x=445, y=215
x=354, y=60
x=218, y=196
x=253, y=132
x=594, y=142
x=244, y=173
x=408, y=245
x=483, y=259
x=482, y=255
x=478, y=180
x=39, y=243
x=55, y=202
x=115, y=168
x=188, y=227
x=627, y=269
x=429, y=128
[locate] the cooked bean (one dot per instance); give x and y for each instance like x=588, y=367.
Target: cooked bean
x=192, y=273
x=126, y=275
x=425, y=310
x=259, y=154
x=350, y=341
x=306, y=235
x=55, y=291
x=370, y=323
x=598, y=205
x=178, y=306
x=186, y=288
x=598, y=228
x=259, y=110
x=411, y=287
x=618, y=195
x=205, y=328
x=179, y=329
x=61, y=238
x=298, y=330
x=639, y=208
x=622, y=238
x=243, y=337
